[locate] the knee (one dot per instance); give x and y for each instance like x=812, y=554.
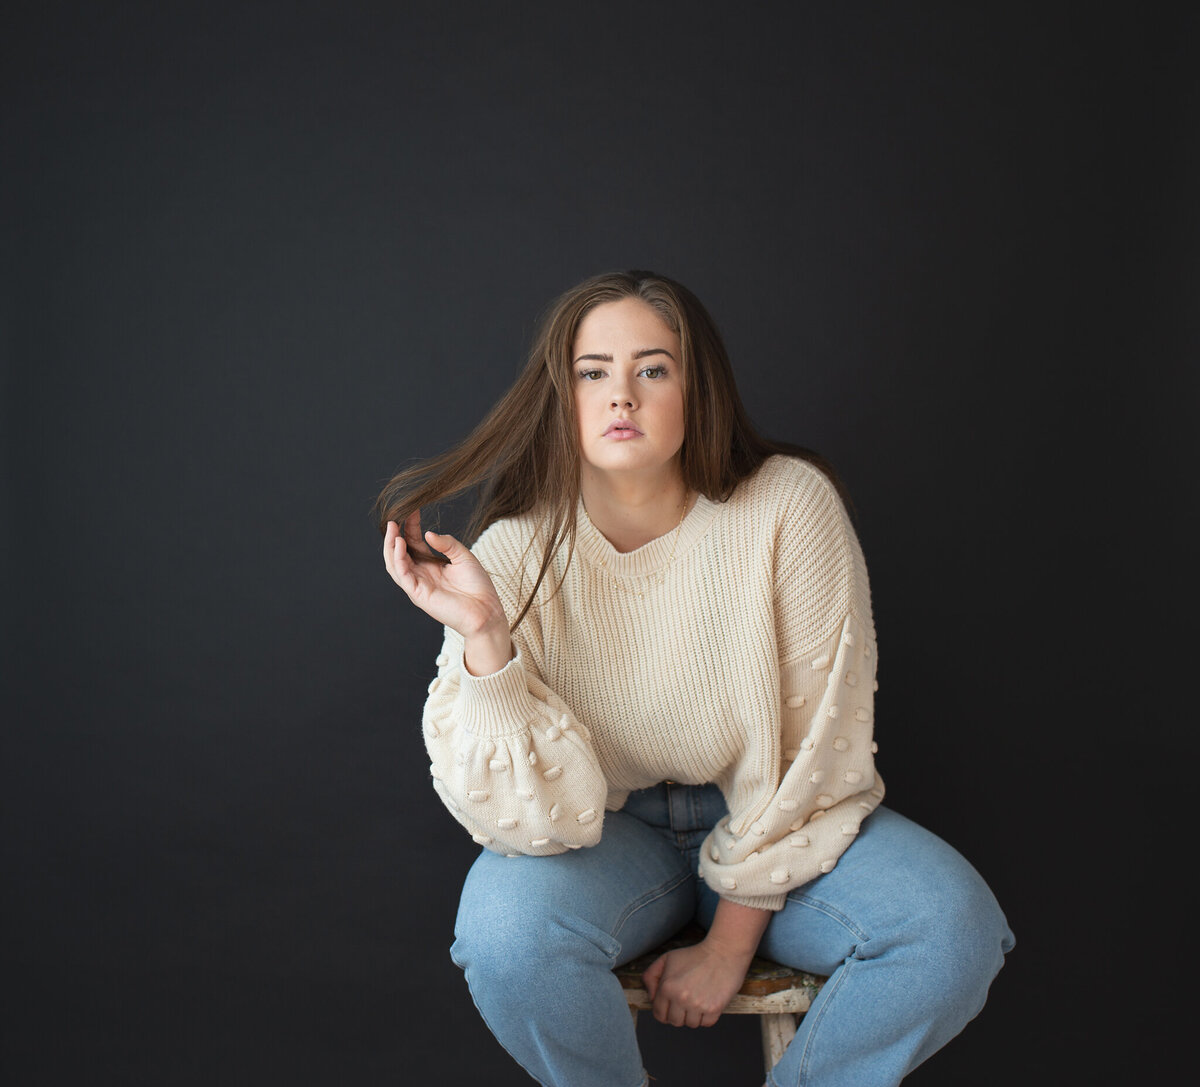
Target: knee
x=972, y=924
x=963, y=937
x=522, y=950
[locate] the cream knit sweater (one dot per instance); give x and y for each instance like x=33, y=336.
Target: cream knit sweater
x=747, y=660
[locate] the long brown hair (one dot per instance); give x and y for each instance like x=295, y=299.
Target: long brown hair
x=525, y=454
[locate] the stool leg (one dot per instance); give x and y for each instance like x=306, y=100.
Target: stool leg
x=777, y=1033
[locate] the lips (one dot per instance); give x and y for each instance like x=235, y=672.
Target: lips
x=621, y=427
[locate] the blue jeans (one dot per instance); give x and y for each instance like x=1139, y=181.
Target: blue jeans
x=907, y=931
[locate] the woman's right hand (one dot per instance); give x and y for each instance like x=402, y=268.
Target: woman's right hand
x=459, y=595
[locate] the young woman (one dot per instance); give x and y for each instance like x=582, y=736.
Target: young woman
x=654, y=704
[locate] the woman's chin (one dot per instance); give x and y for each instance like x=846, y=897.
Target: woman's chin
x=629, y=467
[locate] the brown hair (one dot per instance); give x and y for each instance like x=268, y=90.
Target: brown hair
x=525, y=454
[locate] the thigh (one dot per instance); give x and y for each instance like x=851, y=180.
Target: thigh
x=627, y=893
x=896, y=880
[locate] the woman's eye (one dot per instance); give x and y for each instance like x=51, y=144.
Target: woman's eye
x=589, y=375
x=654, y=371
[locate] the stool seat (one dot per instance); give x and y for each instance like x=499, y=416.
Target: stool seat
x=779, y=994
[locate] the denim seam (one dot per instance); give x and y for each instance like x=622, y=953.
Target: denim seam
x=828, y=992
x=484, y=1017
x=650, y=896
x=829, y=989
x=831, y=913
x=806, y=1053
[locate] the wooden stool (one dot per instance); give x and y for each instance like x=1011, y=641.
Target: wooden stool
x=779, y=994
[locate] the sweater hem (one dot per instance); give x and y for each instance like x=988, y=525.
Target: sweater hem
x=774, y=903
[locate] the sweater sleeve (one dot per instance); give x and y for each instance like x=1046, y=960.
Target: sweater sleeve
x=826, y=784
x=508, y=758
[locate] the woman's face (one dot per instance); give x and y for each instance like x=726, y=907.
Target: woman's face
x=628, y=385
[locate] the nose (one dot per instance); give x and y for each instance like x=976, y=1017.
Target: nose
x=622, y=397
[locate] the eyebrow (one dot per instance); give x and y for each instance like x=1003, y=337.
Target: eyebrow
x=643, y=353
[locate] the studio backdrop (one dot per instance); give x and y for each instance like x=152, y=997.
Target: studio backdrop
x=260, y=256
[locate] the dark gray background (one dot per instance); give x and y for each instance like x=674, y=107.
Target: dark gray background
x=257, y=256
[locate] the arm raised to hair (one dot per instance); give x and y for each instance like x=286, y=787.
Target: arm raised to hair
x=508, y=758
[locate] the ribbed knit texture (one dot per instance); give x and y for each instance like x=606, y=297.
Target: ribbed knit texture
x=751, y=665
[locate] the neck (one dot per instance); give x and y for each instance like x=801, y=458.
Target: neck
x=630, y=512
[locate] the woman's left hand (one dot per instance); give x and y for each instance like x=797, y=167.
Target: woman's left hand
x=691, y=986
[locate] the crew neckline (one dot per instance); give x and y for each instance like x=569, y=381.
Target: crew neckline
x=652, y=556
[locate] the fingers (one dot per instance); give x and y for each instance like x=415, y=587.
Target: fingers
x=447, y=545
x=664, y=1008
x=680, y=996
x=677, y=1014
x=389, y=546
x=405, y=539
x=667, y=1010
x=652, y=975
x=420, y=544
x=413, y=537
x=397, y=560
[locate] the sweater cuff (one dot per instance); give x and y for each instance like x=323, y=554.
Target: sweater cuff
x=759, y=902
x=498, y=704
